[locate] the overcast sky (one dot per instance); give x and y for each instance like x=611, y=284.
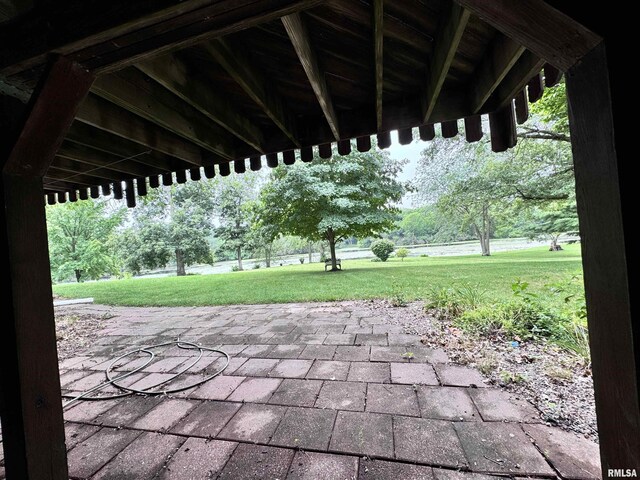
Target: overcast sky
x=412, y=153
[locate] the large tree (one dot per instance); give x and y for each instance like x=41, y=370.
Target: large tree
x=171, y=223
x=235, y=204
x=333, y=199
x=81, y=239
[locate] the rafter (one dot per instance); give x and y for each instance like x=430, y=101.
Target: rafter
x=72, y=167
x=564, y=41
x=102, y=114
x=105, y=142
x=378, y=43
x=519, y=75
x=133, y=91
x=95, y=158
x=125, y=31
x=299, y=36
x=501, y=56
x=452, y=26
x=176, y=76
x=237, y=63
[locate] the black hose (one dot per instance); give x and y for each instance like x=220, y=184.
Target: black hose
x=150, y=390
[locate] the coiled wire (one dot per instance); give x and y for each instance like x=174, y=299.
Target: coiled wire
x=150, y=390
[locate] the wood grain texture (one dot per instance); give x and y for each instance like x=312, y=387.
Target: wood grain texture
x=176, y=76
x=502, y=124
x=133, y=91
x=128, y=30
x=501, y=56
x=612, y=328
x=237, y=63
x=522, y=107
x=378, y=47
x=102, y=114
x=51, y=113
x=516, y=80
x=299, y=36
x=539, y=27
x=452, y=25
x=473, y=128
x=30, y=390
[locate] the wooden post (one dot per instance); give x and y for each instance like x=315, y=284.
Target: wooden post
x=30, y=404
x=614, y=333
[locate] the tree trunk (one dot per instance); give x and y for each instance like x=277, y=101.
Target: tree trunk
x=310, y=252
x=78, y=275
x=486, y=232
x=239, y=253
x=331, y=237
x=555, y=247
x=180, y=270
x=267, y=255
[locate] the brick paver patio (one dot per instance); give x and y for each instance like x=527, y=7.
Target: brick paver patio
x=313, y=391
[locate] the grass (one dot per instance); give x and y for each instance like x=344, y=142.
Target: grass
x=415, y=277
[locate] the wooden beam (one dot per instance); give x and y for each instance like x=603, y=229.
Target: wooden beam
x=30, y=407
x=62, y=176
x=218, y=20
x=133, y=91
x=614, y=333
x=502, y=126
x=236, y=61
x=517, y=78
x=501, y=56
x=378, y=41
x=61, y=91
x=453, y=22
x=128, y=31
x=537, y=26
x=522, y=107
x=95, y=158
x=96, y=139
x=70, y=168
x=102, y=114
x=473, y=128
x=299, y=36
x=535, y=88
x=175, y=75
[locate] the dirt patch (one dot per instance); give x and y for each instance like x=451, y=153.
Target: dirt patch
x=76, y=331
x=557, y=382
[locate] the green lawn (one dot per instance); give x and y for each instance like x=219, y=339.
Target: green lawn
x=361, y=279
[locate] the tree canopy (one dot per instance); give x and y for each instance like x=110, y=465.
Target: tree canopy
x=171, y=223
x=81, y=238
x=332, y=199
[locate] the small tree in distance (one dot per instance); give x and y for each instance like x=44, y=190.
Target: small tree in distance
x=401, y=253
x=382, y=249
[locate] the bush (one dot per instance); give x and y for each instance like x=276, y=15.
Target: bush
x=256, y=266
x=235, y=268
x=382, y=249
x=375, y=259
x=301, y=260
x=454, y=301
x=402, y=252
x=424, y=255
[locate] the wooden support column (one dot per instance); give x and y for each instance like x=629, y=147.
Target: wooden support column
x=614, y=333
x=30, y=403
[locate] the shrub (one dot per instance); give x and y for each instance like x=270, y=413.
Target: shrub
x=402, y=252
x=382, y=249
x=424, y=255
x=256, y=266
x=375, y=259
x=301, y=260
x=235, y=268
x=454, y=301
x=398, y=296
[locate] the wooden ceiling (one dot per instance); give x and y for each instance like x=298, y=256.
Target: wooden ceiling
x=205, y=87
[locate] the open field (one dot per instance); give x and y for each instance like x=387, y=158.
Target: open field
x=361, y=279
